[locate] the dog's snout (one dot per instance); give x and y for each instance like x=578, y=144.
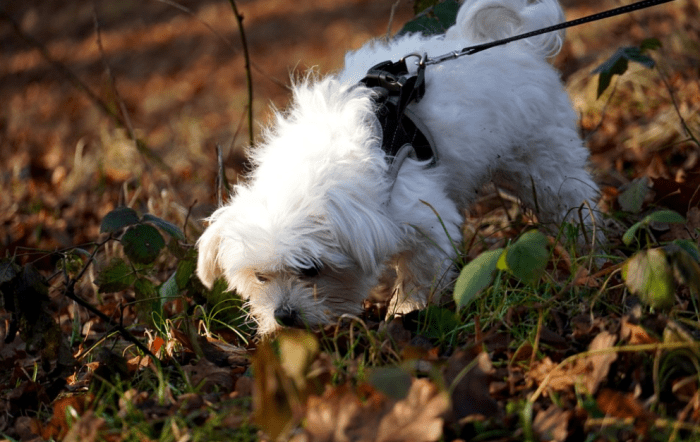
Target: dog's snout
x=287, y=317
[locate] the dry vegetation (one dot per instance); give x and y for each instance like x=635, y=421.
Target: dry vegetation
x=571, y=356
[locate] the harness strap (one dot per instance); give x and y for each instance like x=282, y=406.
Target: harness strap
x=403, y=134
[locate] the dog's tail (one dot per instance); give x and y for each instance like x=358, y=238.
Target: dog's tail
x=482, y=21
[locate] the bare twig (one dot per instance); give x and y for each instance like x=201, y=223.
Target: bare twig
x=222, y=186
x=387, y=37
x=249, y=77
x=191, y=13
x=662, y=75
x=70, y=293
x=187, y=219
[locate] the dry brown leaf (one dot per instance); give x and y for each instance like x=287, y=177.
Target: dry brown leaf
x=471, y=394
x=590, y=370
x=559, y=379
x=635, y=334
x=624, y=405
x=418, y=417
x=273, y=393
x=208, y=377
x=65, y=408
x=552, y=424
x=340, y=416
x=600, y=363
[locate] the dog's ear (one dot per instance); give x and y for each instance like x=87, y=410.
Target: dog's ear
x=208, y=266
x=366, y=234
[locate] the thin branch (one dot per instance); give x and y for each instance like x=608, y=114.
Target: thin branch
x=222, y=186
x=387, y=37
x=187, y=219
x=70, y=293
x=662, y=75
x=249, y=77
x=225, y=40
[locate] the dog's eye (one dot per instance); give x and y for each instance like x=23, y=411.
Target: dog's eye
x=310, y=272
x=261, y=278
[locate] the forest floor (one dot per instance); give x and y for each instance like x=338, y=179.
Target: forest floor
x=574, y=357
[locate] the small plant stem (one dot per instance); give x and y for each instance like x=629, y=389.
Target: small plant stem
x=690, y=133
x=249, y=77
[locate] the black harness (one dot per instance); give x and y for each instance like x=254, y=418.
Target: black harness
x=403, y=134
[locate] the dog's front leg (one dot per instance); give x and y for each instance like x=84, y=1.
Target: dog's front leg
x=425, y=266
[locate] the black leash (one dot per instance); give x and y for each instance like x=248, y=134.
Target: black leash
x=568, y=24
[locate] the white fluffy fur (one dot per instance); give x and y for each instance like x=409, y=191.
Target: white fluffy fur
x=319, y=194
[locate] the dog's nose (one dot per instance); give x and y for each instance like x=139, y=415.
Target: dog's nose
x=287, y=317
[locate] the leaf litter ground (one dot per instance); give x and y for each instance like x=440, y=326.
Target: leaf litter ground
x=572, y=354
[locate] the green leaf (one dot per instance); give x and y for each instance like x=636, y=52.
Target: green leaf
x=436, y=322
x=146, y=299
x=394, y=382
x=649, y=275
x=650, y=44
x=118, y=219
x=632, y=198
x=184, y=272
x=117, y=276
x=527, y=257
x=631, y=233
x=168, y=227
x=617, y=65
x=664, y=216
x=476, y=276
x=168, y=290
x=690, y=248
x=145, y=289
x=434, y=20
x=142, y=243
x=685, y=266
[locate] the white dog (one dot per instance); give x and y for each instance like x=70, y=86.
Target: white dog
x=321, y=224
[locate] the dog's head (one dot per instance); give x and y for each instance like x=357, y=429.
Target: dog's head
x=304, y=240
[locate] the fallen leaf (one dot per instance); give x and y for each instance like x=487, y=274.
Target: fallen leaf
x=274, y=395
x=467, y=374
x=623, y=405
x=600, y=363
x=208, y=377
x=635, y=334
x=590, y=370
x=418, y=417
x=339, y=415
x=552, y=424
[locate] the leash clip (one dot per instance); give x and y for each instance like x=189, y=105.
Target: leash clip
x=422, y=58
